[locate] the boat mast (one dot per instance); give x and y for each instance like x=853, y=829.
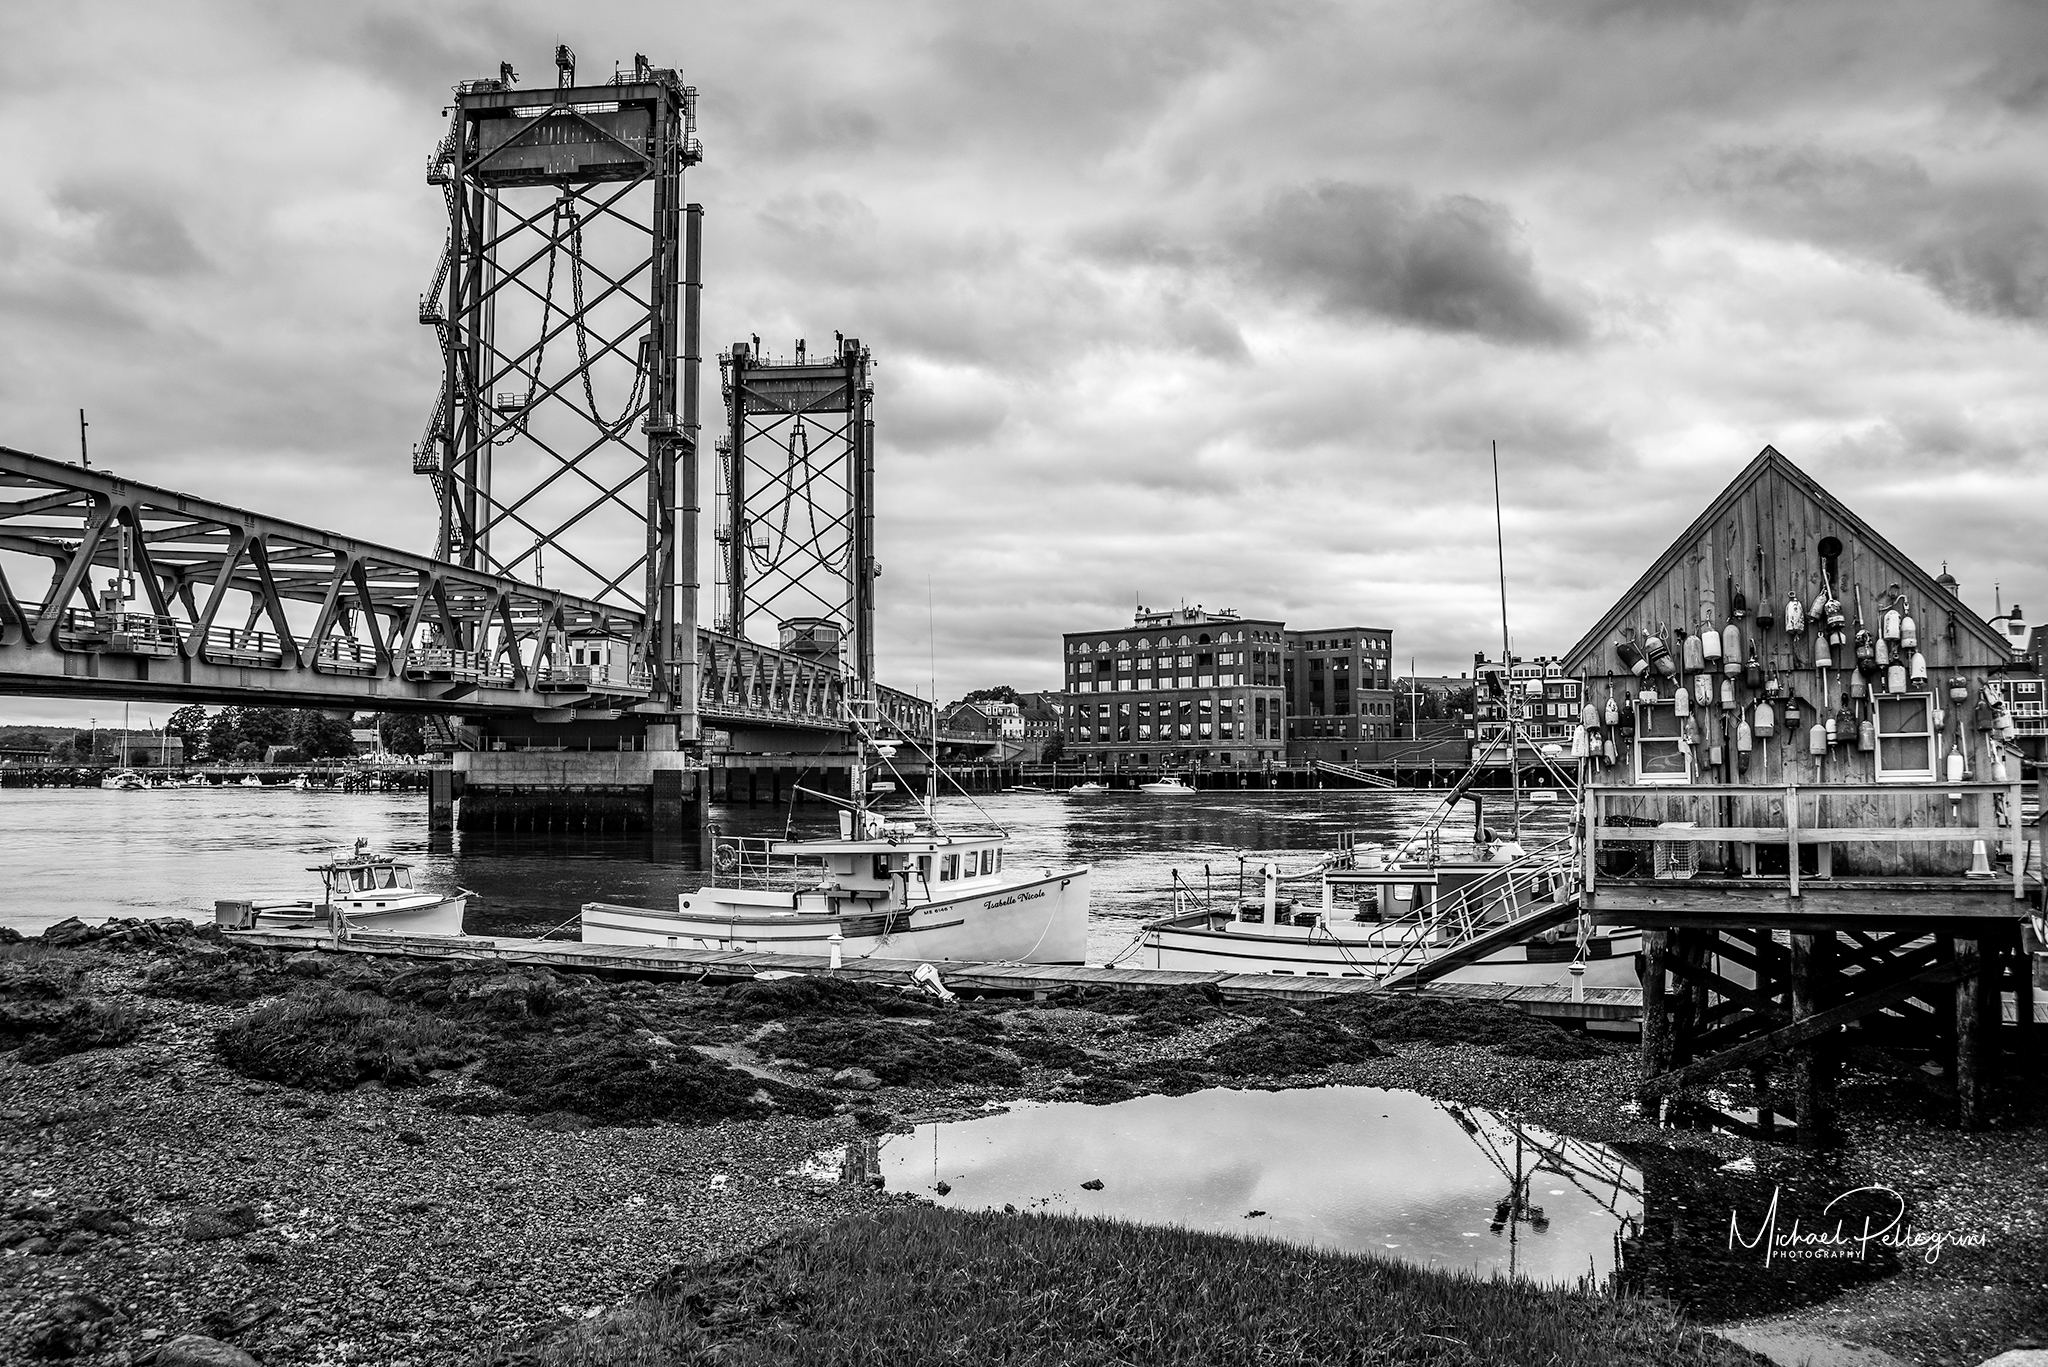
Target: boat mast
x=1507, y=674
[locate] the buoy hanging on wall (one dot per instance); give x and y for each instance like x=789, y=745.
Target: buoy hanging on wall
x=1632, y=658
x=1581, y=743
x=1955, y=762
x=1795, y=617
x=1681, y=702
x=1909, y=634
x=1710, y=647
x=1728, y=695
x=1689, y=649
x=1731, y=649
x=1745, y=740
x=1817, y=740
x=1866, y=736
x=1895, y=679
x=1766, y=720
x=1659, y=656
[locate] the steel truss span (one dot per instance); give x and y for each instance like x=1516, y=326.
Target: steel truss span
x=796, y=519
x=563, y=447
x=114, y=589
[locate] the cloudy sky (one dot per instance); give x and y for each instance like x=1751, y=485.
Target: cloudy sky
x=1219, y=303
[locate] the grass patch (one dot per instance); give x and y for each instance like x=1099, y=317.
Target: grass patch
x=917, y=1285
x=331, y=1040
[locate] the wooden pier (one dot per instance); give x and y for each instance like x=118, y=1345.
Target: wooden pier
x=1610, y=1006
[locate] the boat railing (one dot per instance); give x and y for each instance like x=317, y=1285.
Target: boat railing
x=1544, y=876
x=119, y=633
x=746, y=861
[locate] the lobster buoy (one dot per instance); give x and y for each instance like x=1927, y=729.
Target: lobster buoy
x=2003, y=727
x=1689, y=649
x=1703, y=690
x=1660, y=656
x=1916, y=672
x=1731, y=649
x=1909, y=634
x=1745, y=739
x=1793, y=716
x=1613, y=713
x=1753, y=672
x=1738, y=606
x=1727, y=695
x=1817, y=740
x=1866, y=652
x=1582, y=745
x=1766, y=720
x=1837, y=620
x=1884, y=654
x=1940, y=720
x=1955, y=762
x=1764, y=619
x=1589, y=716
x=1823, y=654
x=1742, y=761
x=1893, y=624
x=1833, y=727
x=1710, y=647
x=1714, y=756
x=1774, y=688
x=1958, y=690
x=1627, y=653
x=1866, y=736
x=1610, y=749
x=1895, y=679
x=1795, y=617
x=1818, y=613
x=1681, y=702
x=1998, y=769
x=1857, y=689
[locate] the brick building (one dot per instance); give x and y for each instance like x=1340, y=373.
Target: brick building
x=1188, y=688
x=1339, y=686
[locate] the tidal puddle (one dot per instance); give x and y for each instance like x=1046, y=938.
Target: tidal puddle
x=1356, y=1169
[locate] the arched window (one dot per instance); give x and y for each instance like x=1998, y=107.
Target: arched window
x=1123, y=645
x=1203, y=639
x=1144, y=644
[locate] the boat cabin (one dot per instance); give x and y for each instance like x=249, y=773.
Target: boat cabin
x=891, y=864
x=1785, y=695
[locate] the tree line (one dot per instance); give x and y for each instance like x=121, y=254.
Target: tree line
x=241, y=735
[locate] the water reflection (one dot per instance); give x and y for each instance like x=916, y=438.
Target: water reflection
x=1357, y=1169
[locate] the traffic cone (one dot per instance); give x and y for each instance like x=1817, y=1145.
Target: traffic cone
x=1980, y=862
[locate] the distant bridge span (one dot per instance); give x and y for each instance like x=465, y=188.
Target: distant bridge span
x=110, y=588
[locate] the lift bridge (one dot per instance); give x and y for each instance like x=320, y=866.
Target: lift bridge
x=558, y=614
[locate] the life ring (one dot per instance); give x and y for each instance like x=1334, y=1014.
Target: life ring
x=725, y=859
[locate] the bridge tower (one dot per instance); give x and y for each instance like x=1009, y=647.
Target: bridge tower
x=563, y=447
x=795, y=508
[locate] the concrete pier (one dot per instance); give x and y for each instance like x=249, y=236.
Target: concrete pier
x=656, y=792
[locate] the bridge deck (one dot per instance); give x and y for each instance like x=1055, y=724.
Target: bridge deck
x=1600, y=1004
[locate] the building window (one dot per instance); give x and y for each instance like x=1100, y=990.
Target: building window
x=1905, y=739
x=1661, y=753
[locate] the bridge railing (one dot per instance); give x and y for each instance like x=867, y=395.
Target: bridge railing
x=132, y=633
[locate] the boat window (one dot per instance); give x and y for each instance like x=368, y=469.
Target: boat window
x=881, y=868
x=999, y=853
x=360, y=880
x=949, y=868
x=387, y=878
x=924, y=868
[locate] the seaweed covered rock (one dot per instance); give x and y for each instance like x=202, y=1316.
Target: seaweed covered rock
x=332, y=1040
x=635, y=1082
x=1404, y=1018
x=948, y=1051
x=1291, y=1044
x=813, y=995
x=1153, y=1011
x=46, y=1011
x=200, y=971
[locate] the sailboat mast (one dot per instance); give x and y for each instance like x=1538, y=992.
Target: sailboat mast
x=1500, y=546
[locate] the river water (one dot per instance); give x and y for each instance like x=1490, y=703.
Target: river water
x=93, y=853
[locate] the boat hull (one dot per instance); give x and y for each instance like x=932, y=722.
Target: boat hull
x=1186, y=947
x=1039, y=920
x=441, y=917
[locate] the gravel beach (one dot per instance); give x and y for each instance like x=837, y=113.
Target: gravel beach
x=153, y=1193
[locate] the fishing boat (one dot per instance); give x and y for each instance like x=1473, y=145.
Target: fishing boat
x=1087, y=788
x=125, y=782
x=362, y=891
x=1171, y=783
x=916, y=888
x=251, y=781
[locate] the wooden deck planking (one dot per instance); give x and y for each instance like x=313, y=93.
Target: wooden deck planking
x=720, y=965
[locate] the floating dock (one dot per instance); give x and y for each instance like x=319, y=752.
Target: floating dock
x=1610, y=1006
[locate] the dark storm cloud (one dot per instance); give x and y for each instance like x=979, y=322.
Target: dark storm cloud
x=1981, y=244
x=1452, y=264
x=125, y=227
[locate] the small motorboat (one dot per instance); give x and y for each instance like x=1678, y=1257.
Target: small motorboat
x=1172, y=783
x=1087, y=789
x=251, y=781
x=126, y=782
x=301, y=783
x=362, y=892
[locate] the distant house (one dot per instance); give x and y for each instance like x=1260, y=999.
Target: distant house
x=138, y=748
x=968, y=722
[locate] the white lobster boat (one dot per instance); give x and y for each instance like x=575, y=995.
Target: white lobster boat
x=914, y=889
x=364, y=891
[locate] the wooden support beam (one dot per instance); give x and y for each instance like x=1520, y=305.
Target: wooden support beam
x=1804, y=1027
x=1972, y=1057
x=1656, y=1005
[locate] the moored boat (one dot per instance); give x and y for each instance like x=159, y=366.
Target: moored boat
x=1171, y=783
x=361, y=892
x=917, y=888
x=1087, y=788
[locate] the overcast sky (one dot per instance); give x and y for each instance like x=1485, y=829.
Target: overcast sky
x=1208, y=302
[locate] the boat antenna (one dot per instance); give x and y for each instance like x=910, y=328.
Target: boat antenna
x=931, y=646
x=1500, y=547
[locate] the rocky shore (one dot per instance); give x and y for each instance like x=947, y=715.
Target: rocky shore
x=439, y=1178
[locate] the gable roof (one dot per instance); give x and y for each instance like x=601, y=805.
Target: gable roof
x=1921, y=586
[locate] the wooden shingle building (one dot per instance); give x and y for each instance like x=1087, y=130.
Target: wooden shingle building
x=1800, y=782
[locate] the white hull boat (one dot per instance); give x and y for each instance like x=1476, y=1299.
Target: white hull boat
x=1088, y=789
x=364, y=892
x=1165, y=785
x=915, y=889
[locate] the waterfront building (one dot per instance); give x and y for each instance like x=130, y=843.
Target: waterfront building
x=1340, y=697
x=1182, y=689
x=1539, y=691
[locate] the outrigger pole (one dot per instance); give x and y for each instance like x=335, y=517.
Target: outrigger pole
x=1507, y=675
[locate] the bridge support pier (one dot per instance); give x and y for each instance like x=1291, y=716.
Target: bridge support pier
x=442, y=788
x=654, y=792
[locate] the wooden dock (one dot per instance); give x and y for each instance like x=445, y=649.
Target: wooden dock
x=1603, y=1004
